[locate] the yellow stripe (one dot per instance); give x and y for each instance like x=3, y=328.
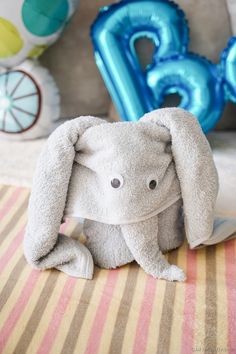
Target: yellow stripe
x=12, y=234
x=10, y=303
x=130, y=332
x=72, y=305
x=176, y=329
x=154, y=327
x=22, y=322
x=112, y=312
x=1, y=188
x=91, y=311
x=9, y=216
x=68, y=317
x=17, y=205
x=47, y=314
x=49, y=310
x=33, y=299
x=7, y=195
x=222, y=313
x=5, y=275
x=71, y=226
x=200, y=302
x=8, y=269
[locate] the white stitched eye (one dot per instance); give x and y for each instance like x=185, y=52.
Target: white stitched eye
x=117, y=181
x=152, y=182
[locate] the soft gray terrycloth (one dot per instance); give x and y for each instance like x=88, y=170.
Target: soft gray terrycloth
x=42, y=246
x=132, y=222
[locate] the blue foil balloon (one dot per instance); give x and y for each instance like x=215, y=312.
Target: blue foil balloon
x=228, y=65
x=174, y=70
x=195, y=80
x=114, y=34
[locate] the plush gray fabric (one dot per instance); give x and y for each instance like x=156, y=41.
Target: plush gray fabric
x=107, y=243
x=195, y=169
x=128, y=151
x=132, y=222
x=42, y=246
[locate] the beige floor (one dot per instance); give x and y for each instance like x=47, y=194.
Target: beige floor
x=18, y=160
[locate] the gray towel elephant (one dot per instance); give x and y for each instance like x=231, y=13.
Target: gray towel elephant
x=140, y=186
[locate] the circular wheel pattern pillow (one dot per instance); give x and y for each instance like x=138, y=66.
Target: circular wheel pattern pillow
x=33, y=25
x=29, y=102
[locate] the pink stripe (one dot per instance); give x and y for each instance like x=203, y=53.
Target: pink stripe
x=18, y=308
x=63, y=226
x=101, y=313
x=10, y=202
x=189, y=303
x=16, y=242
x=51, y=332
x=141, y=336
x=230, y=263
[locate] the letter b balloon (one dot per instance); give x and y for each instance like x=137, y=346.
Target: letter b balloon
x=202, y=86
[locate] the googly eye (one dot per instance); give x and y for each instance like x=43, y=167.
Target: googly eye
x=152, y=183
x=117, y=181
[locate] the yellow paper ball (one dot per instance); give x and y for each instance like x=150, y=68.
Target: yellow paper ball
x=10, y=40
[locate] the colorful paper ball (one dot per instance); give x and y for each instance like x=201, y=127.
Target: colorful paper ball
x=10, y=39
x=44, y=18
x=33, y=26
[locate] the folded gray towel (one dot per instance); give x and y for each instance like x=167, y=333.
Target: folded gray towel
x=138, y=185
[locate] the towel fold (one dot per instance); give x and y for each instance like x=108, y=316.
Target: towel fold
x=131, y=180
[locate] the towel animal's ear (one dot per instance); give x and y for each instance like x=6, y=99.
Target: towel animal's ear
x=195, y=169
x=42, y=246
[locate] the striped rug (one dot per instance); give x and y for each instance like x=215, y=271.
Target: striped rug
x=119, y=311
